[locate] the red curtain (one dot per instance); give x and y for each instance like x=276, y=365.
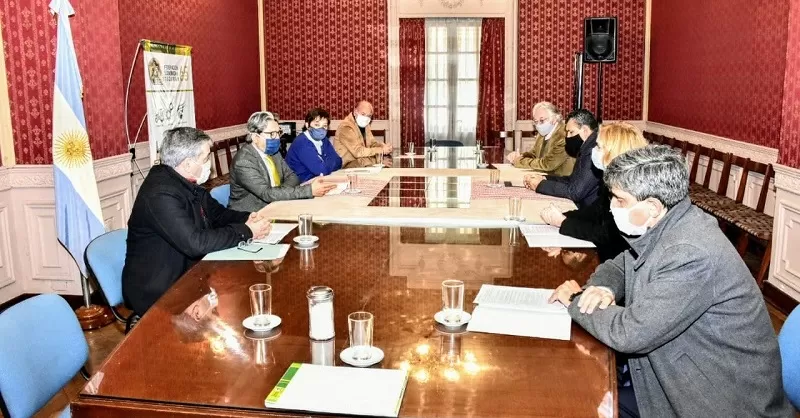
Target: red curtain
x=412, y=82
x=491, y=80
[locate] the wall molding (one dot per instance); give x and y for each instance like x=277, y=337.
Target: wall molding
x=754, y=152
x=785, y=262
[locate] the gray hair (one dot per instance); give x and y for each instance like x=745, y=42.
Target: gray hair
x=182, y=143
x=258, y=121
x=656, y=171
x=551, y=108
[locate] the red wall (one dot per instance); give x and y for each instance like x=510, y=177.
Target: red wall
x=29, y=37
x=790, y=135
x=551, y=31
x=718, y=67
x=223, y=35
x=326, y=53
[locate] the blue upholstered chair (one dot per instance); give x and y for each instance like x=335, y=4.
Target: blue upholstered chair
x=222, y=194
x=105, y=256
x=789, y=341
x=42, y=348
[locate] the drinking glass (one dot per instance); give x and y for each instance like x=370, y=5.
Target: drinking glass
x=307, y=259
x=494, y=178
x=514, y=208
x=453, y=300
x=352, y=184
x=261, y=303
x=305, y=224
x=360, y=326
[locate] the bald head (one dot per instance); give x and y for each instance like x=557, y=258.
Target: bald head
x=363, y=108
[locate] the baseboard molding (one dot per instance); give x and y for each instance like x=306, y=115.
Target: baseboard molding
x=785, y=303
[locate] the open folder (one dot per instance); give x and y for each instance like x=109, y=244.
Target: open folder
x=251, y=252
x=339, y=390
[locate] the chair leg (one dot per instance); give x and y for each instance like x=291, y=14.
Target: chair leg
x=741, y=246
x=764, y=269
x=85, y=373
x=131, y=322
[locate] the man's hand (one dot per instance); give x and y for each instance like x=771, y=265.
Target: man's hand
x=387, y=148
x=319, y=187
x=532, y=181
x=594, y=297
x=513, y=157
x=260, y=227
x=564, y=292
x=552, y=215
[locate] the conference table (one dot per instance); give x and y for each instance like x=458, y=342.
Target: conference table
x=178, y=362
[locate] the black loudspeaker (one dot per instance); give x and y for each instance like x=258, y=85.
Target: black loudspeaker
x=600, y=39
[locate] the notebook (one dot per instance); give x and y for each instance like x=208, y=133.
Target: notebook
x=519, y=311
x=252, y=252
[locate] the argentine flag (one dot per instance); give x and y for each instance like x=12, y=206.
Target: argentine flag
x=78, y=214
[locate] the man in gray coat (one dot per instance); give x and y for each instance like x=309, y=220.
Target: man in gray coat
x=694, y=322
x=260, y=175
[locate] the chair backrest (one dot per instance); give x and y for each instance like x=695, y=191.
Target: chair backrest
x=789, y=342
x=746, y=165
x=105, y=256
x=222, y=194
x=42, y=348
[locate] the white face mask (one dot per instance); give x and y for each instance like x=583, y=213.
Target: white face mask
x=597, y=159
x=204, y=173
x=622, y=217
x=362, y=120
x=544, y=129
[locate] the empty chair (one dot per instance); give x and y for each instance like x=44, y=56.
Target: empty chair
x=41, y=349
x=222, y=194
x=105, y=256
x=789, y=341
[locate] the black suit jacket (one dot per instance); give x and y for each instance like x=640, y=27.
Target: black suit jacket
x=596, y=224
x=173, y=224
x=582, y=185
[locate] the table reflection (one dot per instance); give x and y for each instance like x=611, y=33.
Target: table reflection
x=425, y=192
x=464, y=157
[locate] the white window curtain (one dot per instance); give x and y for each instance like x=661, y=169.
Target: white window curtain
x=452, y=54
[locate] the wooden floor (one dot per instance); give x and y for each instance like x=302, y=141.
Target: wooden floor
x=102, y=342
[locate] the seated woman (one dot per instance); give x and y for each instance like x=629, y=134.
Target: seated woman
x=259, y=175
x=594, y=222
x=312, y=153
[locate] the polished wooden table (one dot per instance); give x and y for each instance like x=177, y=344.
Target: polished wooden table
x=173, y=364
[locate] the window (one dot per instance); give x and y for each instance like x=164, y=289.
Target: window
x=452, y=51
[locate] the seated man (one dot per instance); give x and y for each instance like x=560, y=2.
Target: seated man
x=583, y=184
x=548, y=154
x=312, y=153
x=259, y=175
x=694, y=320
x=354, y=140
x=175, y=222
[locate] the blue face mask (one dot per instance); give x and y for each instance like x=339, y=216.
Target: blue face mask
x=273, y=145
x=318, y=134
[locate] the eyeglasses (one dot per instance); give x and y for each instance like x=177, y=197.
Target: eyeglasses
x=248, y=246
x=273, y=134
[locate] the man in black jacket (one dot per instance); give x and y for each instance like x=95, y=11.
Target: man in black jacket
x=582, y=185
x=175, y=222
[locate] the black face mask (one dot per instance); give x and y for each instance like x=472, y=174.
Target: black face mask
x=573, y=145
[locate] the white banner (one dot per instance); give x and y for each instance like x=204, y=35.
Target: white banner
x=169, y=90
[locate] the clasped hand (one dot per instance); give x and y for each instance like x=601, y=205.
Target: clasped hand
x=259, y=225
x=592, y=297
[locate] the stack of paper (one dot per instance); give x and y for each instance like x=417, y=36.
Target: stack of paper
x=252, y=252
x=339, y=390
x=541, y=236
x=276, y=234
x=340, y=187
x=519, y=311
x=363, y=170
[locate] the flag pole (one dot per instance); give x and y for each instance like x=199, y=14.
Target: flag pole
x=92, y=316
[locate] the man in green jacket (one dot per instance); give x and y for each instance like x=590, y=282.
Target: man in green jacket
x=548, y=154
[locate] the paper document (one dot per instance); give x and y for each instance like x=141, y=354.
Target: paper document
x=504, y=167
x=520, y=323
x=540, y=236
x=519, y=311
x=340, y=187
x=276, y=234
x=524, y=298
x=253, y=252
x=362, y=170
x=339, y=390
